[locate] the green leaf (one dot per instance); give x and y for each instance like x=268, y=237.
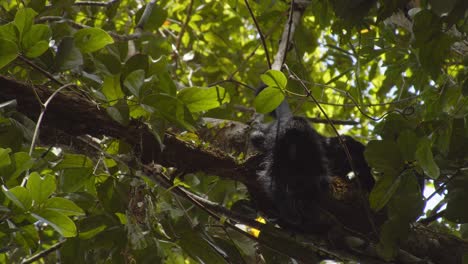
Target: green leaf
x=24, y=20
x=274, y=78
x=383, y=190
x=457, y=200
x=36, y=41
x=407, y=202
x=200, y=248
x=391, y=231
x=63, y=206
x=134, y=81
x=426, y=160
x=68, y=55
x=5, y=157
x=112, y=90
x=202, y=99
x=384, y=156
x=268, y=100
x=74, y=179
x=119, y=112
x=108, y=63
x=60, y=222
x=9, y=32
x=8, y=52
x=170, y=108
x=156, y=19
x=407, y=142
x=70, y=161
x=20, y=196
x=20, y=162
x=92, y=39
x=40, y=188
x=38, y=49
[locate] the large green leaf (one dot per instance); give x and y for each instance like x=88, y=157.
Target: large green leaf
x=119, y=112
x=70, y=161
x=5, y=157
x=268, y=100
x=426, y=160
x=36, y=41
x=40, y=188
x=8, y=52
x=63, y=206
x=134, y=81
x=202, y=99
x=24, y=20
x=58, y=221
x=407, y=142
x=20, y=162
x=112, y=90
x=20, y=196
x=384, y=156
x=9, y=32
x=274, y=78
x=383, y=190
x=92, y=39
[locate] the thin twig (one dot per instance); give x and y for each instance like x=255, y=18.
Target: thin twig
x=39, y=69
x=232, y=81
x=262, y=38
x=115, y=36
x=94, y=3
x=43, y=253
x=184, y=26
x=39, y=121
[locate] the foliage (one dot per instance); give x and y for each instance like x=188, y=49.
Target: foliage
x=173, y=62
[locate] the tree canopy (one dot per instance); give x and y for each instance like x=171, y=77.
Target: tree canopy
x=124, y=128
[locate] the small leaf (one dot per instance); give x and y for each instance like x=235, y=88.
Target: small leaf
x=92, y=39
x=36, y=41
x=384, y=156
x=134, y=81
x=60, y=222
x=5, y=157
x=63, y=206
x=20, y=196
x=70, y=161
x=273, y=78
x=384, y=189
x=8, y=52
x=426, y=160
x=268, y=100
x=112, y=90
x=24, y=20
x=202, y=99
x=40, y=188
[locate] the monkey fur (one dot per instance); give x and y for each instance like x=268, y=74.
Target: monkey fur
x=297, y=163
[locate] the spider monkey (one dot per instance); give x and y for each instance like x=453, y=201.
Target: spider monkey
x=297, y=163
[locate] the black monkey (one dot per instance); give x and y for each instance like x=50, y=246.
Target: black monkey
x=297, y=164
x=338, y=162
x=294, y=170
